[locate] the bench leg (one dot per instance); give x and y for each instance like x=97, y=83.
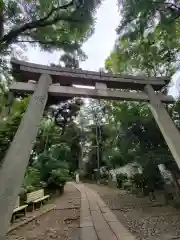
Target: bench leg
x=13, y=217
x=46, y=200
x=25, y=212
x=33, y=207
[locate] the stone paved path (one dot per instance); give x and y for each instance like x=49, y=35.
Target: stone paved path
x=97, y=222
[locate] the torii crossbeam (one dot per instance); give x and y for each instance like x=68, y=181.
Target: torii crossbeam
x=54, y=83
x=107, y=85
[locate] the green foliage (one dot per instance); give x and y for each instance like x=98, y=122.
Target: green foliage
x=32, y=179
x=9, y=124
x=114, y=157
x=150, y=56
x=140, y=17
x=50, y=168
x=149, y=180
x=148, y=39
x=120, y=178
x=66, y=112
x=58, y=177
x=49, y=24
x=104, y=173
x=138, y=180
x=147, y=44
x=55, y=158
x=176, y=203
x=53, y=154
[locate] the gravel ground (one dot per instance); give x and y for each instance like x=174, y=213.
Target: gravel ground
x=61, y=223
x=143, y=220
x=57, y=224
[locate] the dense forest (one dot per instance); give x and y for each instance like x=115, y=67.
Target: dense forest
x=77, y=134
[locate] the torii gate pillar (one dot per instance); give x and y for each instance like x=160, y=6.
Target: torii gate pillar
x=17, y=158
x=168, y=129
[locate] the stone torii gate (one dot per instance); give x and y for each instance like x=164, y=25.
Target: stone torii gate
x=54, y=83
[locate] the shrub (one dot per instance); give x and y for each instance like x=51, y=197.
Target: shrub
x=58, y=178
x=127, y=185
x=104, y=173
x=120, y=178
x=138, y=180
x=31, y=180
x=86, y=177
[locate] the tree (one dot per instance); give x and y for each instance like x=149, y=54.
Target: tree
x=148, y=41
x=49, y=134
x=153, y=55
x=46, y=22
x=71, y=60
x=49, y=24
x=51, y=159
x=72, y=137
x=9, y=125
x=50, y=168
x=141, y=17
x=149, y=53
x=66, y=112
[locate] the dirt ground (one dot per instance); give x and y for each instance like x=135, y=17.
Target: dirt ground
x=144, y=220
x=60, y=223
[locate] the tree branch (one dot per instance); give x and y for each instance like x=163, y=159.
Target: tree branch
x=48, y=42
x=37, y=41
x=42, y=22
x=173, y=8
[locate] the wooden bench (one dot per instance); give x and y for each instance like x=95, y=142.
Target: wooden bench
x=18, y=208
x=36, y=196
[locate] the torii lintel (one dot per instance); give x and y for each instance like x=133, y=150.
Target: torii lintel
x=25, y=71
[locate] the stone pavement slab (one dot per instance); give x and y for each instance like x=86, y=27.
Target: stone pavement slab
x=88, y=233
x=97, y=221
